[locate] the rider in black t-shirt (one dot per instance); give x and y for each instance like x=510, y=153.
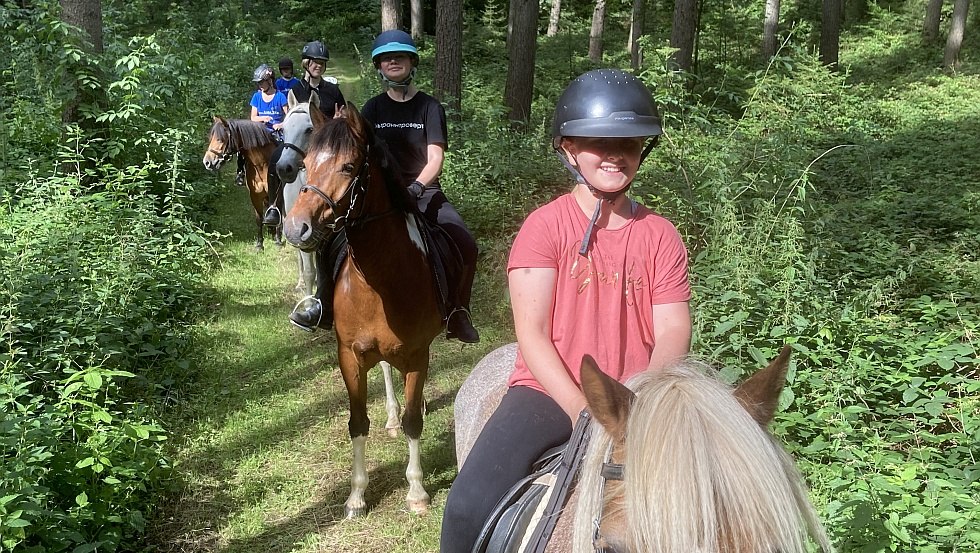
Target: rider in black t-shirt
x=413, y=125
x=315, y=58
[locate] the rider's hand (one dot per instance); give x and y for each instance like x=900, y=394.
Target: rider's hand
x=416, y=189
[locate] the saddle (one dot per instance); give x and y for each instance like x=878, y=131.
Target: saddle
x=525, y=518
x=445, y=260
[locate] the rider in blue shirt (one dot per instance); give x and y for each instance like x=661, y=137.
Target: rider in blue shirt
x=268, y=104
x=287, y=80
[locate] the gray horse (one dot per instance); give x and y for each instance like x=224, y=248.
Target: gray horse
x=297, y=128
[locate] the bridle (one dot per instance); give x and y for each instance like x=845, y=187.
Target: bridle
x=354, y=189
x=609, y=471
x=291, y=146
x=225, y=153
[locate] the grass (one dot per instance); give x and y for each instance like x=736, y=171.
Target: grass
x=261, y=442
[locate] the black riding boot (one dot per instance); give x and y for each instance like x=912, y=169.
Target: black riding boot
x=459, y=326
x=320, y=313
x=240, y=176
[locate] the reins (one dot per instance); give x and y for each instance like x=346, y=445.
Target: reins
x=609, y=471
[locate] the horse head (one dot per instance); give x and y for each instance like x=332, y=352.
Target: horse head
x=219, y=148
x=681, y=462
x=338, y=171
x=297, y=128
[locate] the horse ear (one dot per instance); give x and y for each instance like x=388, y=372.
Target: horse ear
x=759, y=395
x=609, y=401
x=314, y=100
x=291, y=100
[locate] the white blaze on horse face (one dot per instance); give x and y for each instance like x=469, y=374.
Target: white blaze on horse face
x=415, y=234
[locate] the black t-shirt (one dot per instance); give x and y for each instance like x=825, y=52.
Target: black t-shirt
x=408, y=128
x=329, y=93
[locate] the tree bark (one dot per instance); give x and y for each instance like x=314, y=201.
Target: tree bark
x=830, y=32
x=418, y=20
x=930, y=25
x=449, y=62
x=521, y=49
x=391, y=15
x=956, y=30
x=595, y=34
x=769, y=28
x=683, y=33
x=636, y=29
x=85, y=15
x=554, y=17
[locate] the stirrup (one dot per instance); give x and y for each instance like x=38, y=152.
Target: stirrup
x=270, y=209
x=307, y=302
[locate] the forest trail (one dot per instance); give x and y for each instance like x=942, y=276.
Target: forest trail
x=261, y=448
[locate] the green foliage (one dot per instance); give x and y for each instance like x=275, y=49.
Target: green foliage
x=96, y=292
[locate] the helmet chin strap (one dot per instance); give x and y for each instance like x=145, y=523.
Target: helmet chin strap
x=601, y=195
x=398, y=85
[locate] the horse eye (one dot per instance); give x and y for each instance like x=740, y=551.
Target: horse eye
x=309, y=131
x=348, y=168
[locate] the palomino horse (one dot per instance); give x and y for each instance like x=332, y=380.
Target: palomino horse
x=297, y=128
x=698, y=471
x=385, y=303
x=230, y=136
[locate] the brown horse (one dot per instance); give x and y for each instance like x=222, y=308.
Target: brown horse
x=385, y=306
x=228, y=137
x=678, y=462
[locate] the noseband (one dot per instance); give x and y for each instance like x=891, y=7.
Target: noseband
x=355, y=188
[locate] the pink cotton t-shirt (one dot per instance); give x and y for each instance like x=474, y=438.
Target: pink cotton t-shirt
x=603, y=302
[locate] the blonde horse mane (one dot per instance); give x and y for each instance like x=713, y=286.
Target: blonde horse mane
x=701, y=475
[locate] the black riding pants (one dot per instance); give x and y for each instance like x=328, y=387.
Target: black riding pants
x=526, y=424
x=273, y=184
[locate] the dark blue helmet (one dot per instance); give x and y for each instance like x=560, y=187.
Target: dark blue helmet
x=394, y=41
x=315, y=50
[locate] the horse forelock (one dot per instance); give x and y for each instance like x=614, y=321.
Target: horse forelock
x=338, y=137
x=700, y=474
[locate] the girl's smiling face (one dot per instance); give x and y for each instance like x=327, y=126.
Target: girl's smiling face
x=608, y=164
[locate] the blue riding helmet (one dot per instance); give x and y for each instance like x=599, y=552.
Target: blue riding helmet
x=394, y=41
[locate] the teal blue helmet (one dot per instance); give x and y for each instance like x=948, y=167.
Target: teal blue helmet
x=394, y=41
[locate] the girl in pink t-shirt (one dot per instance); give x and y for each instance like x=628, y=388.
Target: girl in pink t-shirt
x=592, y=272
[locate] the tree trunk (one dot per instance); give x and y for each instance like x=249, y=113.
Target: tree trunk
x=956, y=29
x=449, y=62
x=554, y=17
x=769, y=28
x=930, y=25
x=595, y=35
x=391, y=15
x=521, y=49
x=85, y=76
x=636, y=29
x=418, y=20
x=683, y=33
x=830, y=32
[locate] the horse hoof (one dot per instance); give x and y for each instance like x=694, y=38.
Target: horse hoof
x=418, y=507
x=393, y=432
x=354, y=512
x=259, y=247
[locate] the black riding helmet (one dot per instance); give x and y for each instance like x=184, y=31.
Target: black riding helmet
x=606, y=103
x=315, y=50
x=285, y=63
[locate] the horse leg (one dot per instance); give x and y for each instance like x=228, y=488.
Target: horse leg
x=358, y=426
x=260, y=239
x=417, y=499
x=393, y=424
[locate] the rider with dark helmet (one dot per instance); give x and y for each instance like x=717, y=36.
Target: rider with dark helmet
x=590, y=273
x=315, y=58
x=413, y=125
x=287, y=80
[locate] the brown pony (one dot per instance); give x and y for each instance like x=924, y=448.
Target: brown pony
x=230, y=136
x=384, y=302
